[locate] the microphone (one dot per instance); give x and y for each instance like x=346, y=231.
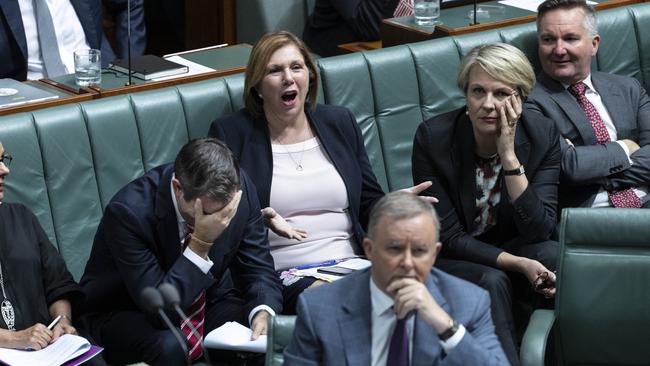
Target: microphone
x=153, y=302
x=172, y=301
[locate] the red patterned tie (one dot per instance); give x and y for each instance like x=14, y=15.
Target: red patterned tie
x=625, y=198
x=195, y=314
x=404, y=8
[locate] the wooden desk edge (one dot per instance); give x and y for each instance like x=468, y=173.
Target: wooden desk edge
x=165, y=83
x=28, y=107
x=360, y=46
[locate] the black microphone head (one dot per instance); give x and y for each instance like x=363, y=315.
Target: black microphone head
x=169, y=294
x=151, y=299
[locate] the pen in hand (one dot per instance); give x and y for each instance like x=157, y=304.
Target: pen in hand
x=54, y=322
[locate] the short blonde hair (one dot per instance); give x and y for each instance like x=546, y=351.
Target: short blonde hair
x=256, y=69
x=503, y=62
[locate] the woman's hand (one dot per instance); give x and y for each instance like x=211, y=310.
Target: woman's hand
x=280, y=226
x=509, y=113
x=35, y=337
x=542, y=280
x=62, y=327
x=416, y=190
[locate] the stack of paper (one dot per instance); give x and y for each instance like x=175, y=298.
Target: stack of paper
x=68, y=350
x=234, y=336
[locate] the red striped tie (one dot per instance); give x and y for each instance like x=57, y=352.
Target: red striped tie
x=195, y=314
x=404, y=8
x=625, y=198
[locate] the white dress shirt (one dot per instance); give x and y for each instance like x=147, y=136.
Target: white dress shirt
x=602, y=198
x=70, y=35
x=203, y=264
x=383, y=322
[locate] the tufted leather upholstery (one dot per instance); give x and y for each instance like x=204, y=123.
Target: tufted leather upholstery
x=601, y=314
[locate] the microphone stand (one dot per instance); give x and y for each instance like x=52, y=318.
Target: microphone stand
x=172, y=299
x=180, y=339
x=128, y=39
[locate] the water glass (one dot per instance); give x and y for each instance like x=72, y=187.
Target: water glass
x=427, y=12
x=88, y=67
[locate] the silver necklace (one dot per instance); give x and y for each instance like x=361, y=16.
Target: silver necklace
x=6, y=308
x=302, y=152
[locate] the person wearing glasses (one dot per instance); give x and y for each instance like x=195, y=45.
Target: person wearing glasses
x=495, y=171
x=36, y=287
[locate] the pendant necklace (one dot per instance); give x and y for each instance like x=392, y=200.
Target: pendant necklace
x=6, y=308
x=297, y=163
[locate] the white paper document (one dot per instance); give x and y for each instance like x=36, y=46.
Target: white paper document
x=234, y=336
x=530, y=5
x=193, y=68
x=67, y=347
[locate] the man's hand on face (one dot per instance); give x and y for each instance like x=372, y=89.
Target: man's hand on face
x=208, y=227
x=410, y=295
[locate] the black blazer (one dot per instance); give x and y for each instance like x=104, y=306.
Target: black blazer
x=341, y=138
x=13, y=45
x=443, y=152
x=137, y=245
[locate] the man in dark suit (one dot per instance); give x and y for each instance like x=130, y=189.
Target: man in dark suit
x=401, y=301
x=18, y=41
x=191, y=224
x=604, y=119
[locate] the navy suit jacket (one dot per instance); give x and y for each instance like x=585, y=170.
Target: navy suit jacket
x=587, y=166
x=443, y=152
x=334, y=325
x=13, y=45
x=338, y=132
x=137, y=245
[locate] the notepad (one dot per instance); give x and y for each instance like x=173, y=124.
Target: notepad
x=13, y=92
x=68, y=350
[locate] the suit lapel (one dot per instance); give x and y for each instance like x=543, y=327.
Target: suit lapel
x=85, y=15
x=11, y=10
x=354, y=322
x=615, y=104
x=426, y=344
x=571, y=108
x=169, y=246
x=463, y=161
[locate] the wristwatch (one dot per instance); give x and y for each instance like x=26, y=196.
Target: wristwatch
x=518, y=171
x=450, y=331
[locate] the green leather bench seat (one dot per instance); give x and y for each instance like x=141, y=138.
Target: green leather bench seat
x=70, y=160
x=601, y=310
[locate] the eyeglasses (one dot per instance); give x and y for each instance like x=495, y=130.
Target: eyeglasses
x=6, y=159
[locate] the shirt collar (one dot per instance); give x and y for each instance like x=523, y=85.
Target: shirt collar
x=182, y=225
x=380, y=302
x=587, y=81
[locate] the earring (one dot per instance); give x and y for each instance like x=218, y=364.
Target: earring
x=466, y=112
x=260, y=95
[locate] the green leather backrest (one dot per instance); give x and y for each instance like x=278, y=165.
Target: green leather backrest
x=71, y=160
x=603, y=317
x=279, y=333
x=391, y=91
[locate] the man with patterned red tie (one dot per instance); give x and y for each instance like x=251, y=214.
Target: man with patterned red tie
x=604, y=119
x=195, y=224
x=401, y=311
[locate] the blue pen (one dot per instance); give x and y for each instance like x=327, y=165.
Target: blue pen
x=316, y=265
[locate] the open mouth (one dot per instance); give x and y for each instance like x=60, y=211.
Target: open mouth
x=289, y=96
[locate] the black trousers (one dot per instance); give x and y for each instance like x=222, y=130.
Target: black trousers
x=130, y=336
x=506, y=287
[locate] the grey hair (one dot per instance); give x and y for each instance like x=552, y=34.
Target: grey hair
x=590, y=21
x=399, y=206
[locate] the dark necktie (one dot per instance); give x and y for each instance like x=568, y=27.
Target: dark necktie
x=624, y=198
x=195, y=314
x=398, y=352
x=47, y=40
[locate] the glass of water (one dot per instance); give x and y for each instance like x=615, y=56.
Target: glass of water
x=427, y=12
x=88, y=67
